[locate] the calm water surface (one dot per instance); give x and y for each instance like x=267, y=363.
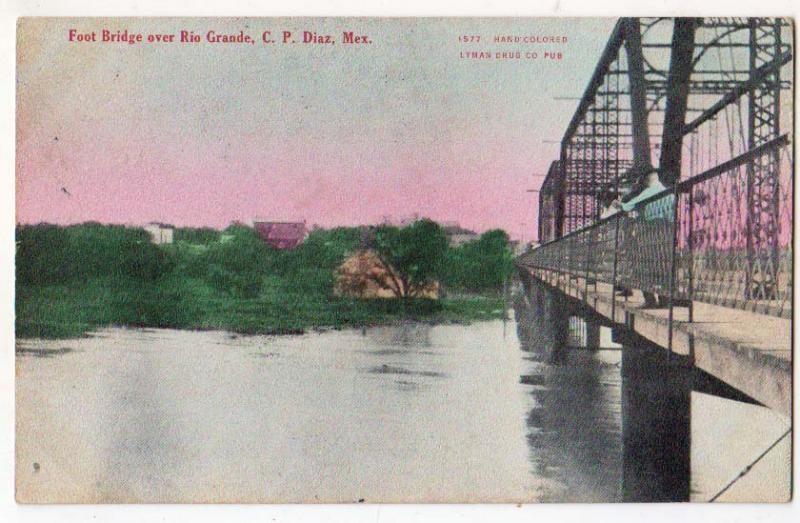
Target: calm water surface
x=483, y=412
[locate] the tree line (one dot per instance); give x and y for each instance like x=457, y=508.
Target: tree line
x=236, y=261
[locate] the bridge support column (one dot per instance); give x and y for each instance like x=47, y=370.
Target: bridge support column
x=558, y=318
x=592, y=334
x=655, y=425
x=545, y=313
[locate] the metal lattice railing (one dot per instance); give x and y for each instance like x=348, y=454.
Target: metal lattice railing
x=694, y=241
x=723, y=258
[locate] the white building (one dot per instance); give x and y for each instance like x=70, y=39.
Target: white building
x=160, y=233
x=457, y=235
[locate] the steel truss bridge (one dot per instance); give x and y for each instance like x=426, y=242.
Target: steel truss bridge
x=708, y=102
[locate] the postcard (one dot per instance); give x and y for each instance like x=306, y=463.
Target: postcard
x=404, y=260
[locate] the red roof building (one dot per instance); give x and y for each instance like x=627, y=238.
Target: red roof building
x=281, y=235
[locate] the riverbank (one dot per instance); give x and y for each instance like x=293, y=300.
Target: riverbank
x=71, y=280
x=72, y=310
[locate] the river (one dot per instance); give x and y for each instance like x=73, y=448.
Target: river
x=485, y=412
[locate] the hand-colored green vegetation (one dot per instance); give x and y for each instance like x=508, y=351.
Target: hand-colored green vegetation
x=416, y=253
x=76, y=278
x=481, y=265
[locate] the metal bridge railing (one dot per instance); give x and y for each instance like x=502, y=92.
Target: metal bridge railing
x=725, y=256
x=694, y=241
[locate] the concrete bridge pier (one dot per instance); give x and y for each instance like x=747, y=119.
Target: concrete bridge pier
x=656, y=425
x=547, y=312
x=592, y=333
x=552, y=310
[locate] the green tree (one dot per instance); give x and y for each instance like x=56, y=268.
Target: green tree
x=238, y=265
x=198, y=235
x=482, y=264
x=43, y=255
x=413, y=256
x=52, y=254
x=490, y=258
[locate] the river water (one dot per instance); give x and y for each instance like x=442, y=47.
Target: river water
x=451, y=413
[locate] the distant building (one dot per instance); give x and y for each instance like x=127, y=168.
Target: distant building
x=160, y=233
x=364, y=275
x=457, y=235
x=281, y=235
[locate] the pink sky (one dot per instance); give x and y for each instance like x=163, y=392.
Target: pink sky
x=205, y=135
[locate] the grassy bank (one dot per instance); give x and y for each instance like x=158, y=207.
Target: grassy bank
x=60, y=311
x=75, y=279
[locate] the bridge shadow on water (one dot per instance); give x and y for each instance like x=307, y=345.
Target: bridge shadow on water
x=606, y=424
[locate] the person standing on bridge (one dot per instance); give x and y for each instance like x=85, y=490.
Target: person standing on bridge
x=651, y=237
x=610, y=205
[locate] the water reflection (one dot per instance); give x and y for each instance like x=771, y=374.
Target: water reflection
x=42, y=353
x=574, y=425
x=636, y=424
x=611, y=425
x=488, y=412
x=393, y=414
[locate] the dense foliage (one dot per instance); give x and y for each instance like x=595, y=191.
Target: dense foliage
x=480, y=265
x=416, y=253
x=197, y=235
x=52, y=254
x=70, y=279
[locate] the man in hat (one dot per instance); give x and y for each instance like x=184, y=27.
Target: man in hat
x=651, y=236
